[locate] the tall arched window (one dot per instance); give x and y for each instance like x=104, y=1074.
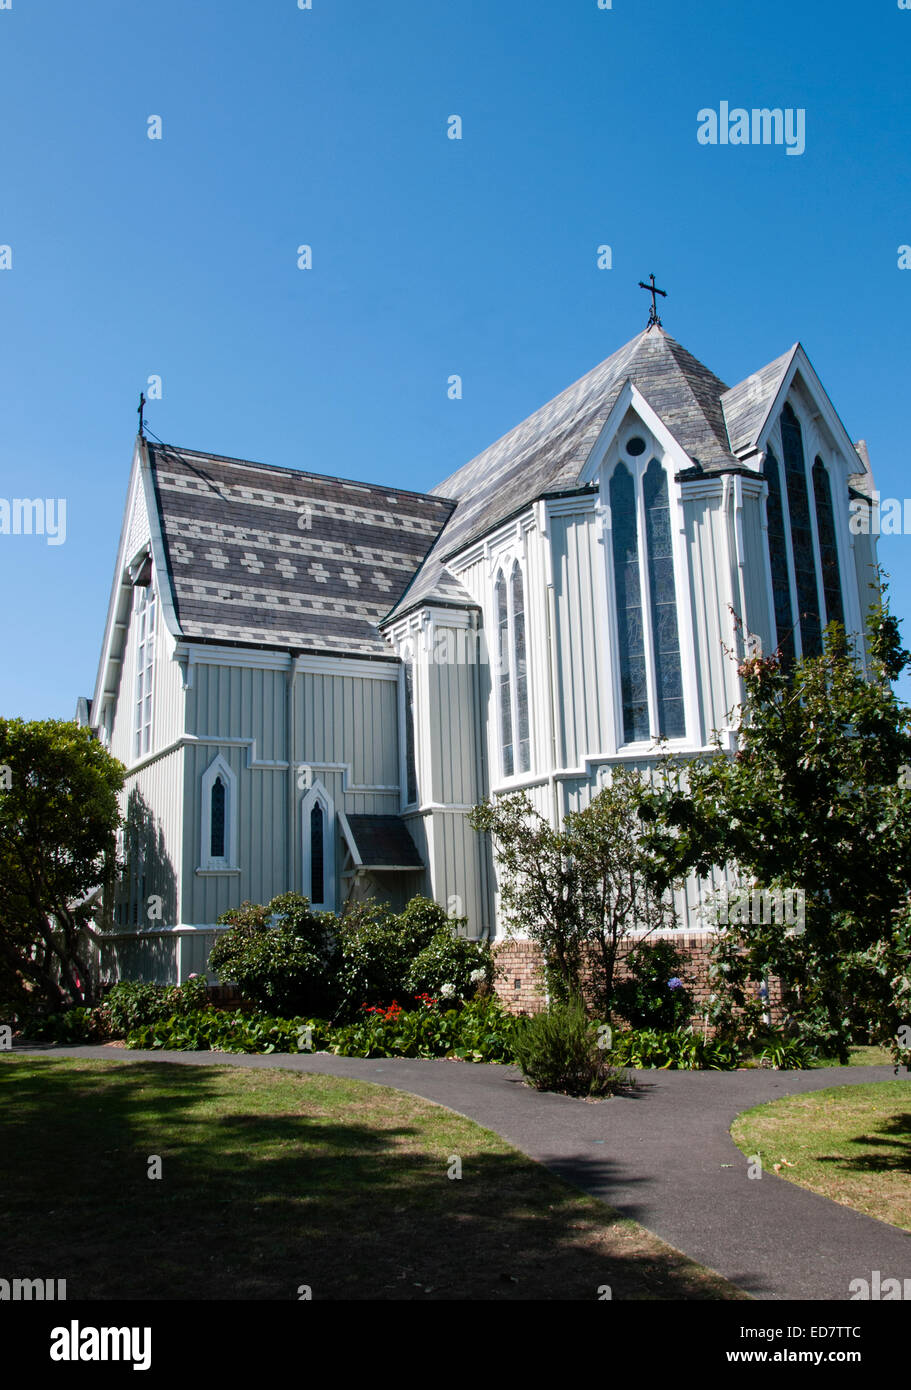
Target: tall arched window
x=318, y=858
x=778, y=559
x=317, y=892
x=218, y=805
x=512, y=671
x=144, y=619
x=828, y=548
x=217, y=819
x=801, y=533
x=663, y=603
x=628, y=588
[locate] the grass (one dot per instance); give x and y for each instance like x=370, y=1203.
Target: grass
x=849, y=1143
x=276, y=1179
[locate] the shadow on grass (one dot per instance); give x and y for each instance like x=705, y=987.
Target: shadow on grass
x=893, y=1137
x=319, y=1186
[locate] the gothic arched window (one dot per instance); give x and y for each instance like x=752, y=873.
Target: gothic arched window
x=512, y=671
x=217, y=820
x=778, y=559
x=801, y=533
x=663, y=603
x=828, y=548
x=651, y=679
x=318, y=827
x=317, y=864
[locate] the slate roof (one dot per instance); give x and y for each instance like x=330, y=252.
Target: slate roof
x=747, y=405
x=548, y=450
x=275, y=557
x=383, y=842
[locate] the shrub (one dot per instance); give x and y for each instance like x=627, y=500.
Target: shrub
x=559, y=1051
x=655, y=994
x=678, y=1049
x=131, y=1004
x=289, y=968
x=73, y=1026
x=480, y=1032
x=387, y=955
x=211, y=1030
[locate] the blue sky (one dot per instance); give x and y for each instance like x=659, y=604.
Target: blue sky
x=281, y=126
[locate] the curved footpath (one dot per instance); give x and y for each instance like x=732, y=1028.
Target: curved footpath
x=662, y=1156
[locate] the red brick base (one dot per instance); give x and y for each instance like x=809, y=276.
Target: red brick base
x=520, y=988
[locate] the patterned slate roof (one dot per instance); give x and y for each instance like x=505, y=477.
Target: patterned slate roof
x=383, y=842
x=547, y=451
x=275, y=557
x=746, y=406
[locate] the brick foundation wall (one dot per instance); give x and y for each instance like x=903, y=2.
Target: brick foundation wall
x=520, y=989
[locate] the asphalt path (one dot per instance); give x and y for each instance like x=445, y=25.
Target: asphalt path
x=661, y=1155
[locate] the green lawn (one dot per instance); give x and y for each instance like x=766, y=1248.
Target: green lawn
x=276, y=1179
x=850, y=1143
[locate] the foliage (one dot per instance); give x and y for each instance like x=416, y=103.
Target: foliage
x=676, y=1049
x=579, y=891
x=69, y=1028
x=213, y=1030
x=282, y=956
x=560, y=1050
x=655, y=994
x=58, y=820
x=131, y=1004
x=817, y=799
x=481, y=1031
x=785, y=1056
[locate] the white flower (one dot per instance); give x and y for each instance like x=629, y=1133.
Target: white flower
x=447, y=991
x=477, y=976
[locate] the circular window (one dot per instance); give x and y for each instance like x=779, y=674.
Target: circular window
x=635, y=446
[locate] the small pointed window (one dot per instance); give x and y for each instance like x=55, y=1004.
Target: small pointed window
x=217, y=820
x=317, y=862
x=504, y=681
x=778, y=560
x=512, y=671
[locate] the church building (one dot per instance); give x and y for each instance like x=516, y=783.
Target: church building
x=312, y=680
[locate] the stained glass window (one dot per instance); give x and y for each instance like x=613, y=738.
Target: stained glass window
x=217, y=820
x=317, y=891
x=801, y=533
x=828, y=549
x=663, y=597
x=778, y=560
x=633, y=681
x=521, y=669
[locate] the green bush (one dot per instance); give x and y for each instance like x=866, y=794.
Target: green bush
x=558, y=1050
x=289, y=968
x=480, y=1032
x=73, y=1026
x=655, y=994
x=212, y=1030
x=678, y=1049
x=451, y=967
x=131, y=1004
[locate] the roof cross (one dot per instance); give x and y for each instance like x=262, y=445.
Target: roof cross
x=653, y=319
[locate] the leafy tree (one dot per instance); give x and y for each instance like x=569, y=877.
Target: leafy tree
x=58, y=820
x=817, y=798
x=579, y=891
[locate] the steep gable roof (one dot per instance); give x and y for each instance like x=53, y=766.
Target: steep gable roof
x=746, y=406
x=274, y=557
x=546, y=452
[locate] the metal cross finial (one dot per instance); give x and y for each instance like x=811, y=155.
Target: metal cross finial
x=653, y=319
x=142, y=403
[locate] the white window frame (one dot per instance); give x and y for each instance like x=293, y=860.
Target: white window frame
x=318, y=794
x=145, y=605
x=504, y=565
x=227, y=863
x=637, y=468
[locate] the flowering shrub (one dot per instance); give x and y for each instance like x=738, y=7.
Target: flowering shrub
x=481, y=1031
x=655, y=994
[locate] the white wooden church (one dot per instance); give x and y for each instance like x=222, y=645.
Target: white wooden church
x=312, y=680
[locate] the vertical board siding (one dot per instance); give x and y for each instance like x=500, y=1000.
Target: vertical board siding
x=579, y=596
